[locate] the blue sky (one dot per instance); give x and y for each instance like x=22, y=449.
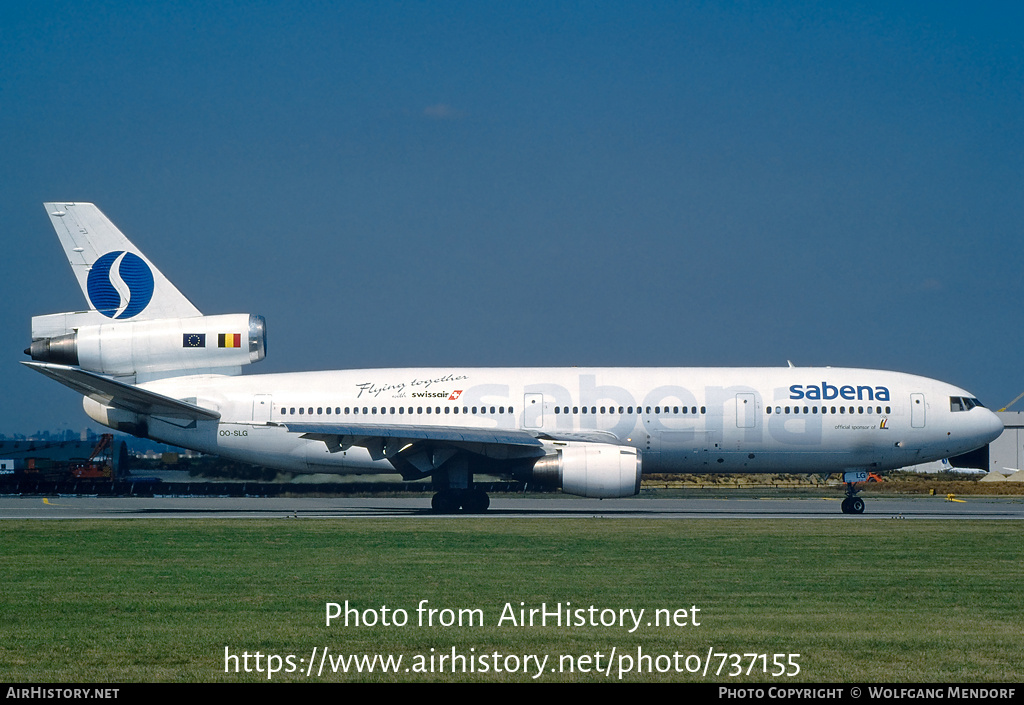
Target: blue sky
x=432, y=184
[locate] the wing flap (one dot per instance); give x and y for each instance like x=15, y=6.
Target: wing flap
x=384, y=440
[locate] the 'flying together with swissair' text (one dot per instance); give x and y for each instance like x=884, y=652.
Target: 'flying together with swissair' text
x=150, y=364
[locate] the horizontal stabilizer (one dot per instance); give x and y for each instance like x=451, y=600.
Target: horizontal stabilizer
x=123, y=396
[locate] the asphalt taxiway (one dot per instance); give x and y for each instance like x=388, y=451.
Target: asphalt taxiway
x=58, y=507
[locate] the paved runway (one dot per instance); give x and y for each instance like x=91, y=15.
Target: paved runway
x=968, y=507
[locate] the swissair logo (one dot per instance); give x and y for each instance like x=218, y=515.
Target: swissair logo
x=455, y=395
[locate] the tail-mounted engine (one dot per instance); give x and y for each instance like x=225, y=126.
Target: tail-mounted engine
x=590, y=469
x=167, y=345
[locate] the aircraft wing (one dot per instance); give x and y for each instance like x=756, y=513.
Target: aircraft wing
x=121, y=395
x=382, y=440
x=591, y=436
x=417, y=451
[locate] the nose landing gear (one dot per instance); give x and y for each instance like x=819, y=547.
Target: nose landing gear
x=852, y=504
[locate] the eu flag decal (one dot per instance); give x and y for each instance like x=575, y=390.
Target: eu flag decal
x=229, y=340
x=193, y=340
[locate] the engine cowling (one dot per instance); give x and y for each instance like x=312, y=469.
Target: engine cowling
x=161, y=345
x=594, y=470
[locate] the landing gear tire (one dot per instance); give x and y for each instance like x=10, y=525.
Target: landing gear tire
x=853, y=505
x=465, y=501
x=445, y=502
x=475, y=502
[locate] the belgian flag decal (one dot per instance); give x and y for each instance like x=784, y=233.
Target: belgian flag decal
x=229, y=340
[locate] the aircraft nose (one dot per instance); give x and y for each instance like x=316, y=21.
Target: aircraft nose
x=993, y=426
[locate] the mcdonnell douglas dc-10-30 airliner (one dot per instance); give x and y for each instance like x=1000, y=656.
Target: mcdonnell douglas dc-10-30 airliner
x=150, y=364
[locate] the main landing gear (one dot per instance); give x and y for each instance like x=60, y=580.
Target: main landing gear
x=455, y=492
x=455, y=501
x=852, y=504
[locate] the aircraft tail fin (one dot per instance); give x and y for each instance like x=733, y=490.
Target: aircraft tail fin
x=118, y=281
x=138, y=324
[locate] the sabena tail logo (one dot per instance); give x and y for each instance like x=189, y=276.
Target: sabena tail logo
x=120, y=284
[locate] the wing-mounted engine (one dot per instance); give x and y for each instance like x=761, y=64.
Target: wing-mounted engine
x=150, y=348
x=595, y=470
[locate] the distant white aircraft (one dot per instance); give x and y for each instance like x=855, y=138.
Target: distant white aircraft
x=943, y=465
x=149, y=363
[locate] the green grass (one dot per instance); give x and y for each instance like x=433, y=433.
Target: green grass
x=122, y=601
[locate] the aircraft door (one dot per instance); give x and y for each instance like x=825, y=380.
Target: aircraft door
x=917, y=410
x=746, y=411
x=533, y=410
x=261, y=404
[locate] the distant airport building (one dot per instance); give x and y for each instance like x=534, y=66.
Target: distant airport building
x=1007, y=452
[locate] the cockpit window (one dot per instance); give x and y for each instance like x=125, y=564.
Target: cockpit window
x=964, y=403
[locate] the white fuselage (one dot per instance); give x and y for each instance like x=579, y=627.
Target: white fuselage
x=680, y=419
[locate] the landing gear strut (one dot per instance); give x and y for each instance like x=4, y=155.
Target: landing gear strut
x=455, y=491
x=852, y=504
